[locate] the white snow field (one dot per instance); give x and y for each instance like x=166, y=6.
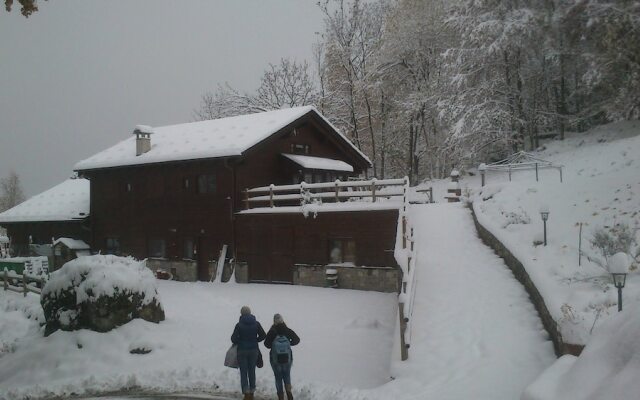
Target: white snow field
x=472, y=327
x=475, y=334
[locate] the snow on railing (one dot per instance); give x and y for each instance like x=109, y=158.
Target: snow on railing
x=336, y=191
x=405, y=256
x=10, y=277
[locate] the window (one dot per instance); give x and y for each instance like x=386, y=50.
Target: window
x=128, y=187
x=157, y=248
x=342, y=251
x=206, y=184
x=298, y=148
x=186, y=184
x=112, y=245
x=188, y=250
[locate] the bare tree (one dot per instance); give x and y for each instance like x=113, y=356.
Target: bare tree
x=11, y=191
x=284, y=85
x=28, y=6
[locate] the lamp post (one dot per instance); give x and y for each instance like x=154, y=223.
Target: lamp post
x=544, y=213
x=483, y=170
x=619, y=266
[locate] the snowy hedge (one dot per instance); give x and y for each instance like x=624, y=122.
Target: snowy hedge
x=100, y=293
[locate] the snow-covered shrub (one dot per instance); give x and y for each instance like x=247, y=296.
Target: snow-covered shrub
x=100, y=293
x=515, y=217
x=617, y=239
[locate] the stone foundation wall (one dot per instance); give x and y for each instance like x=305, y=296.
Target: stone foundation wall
x=522, y=276
x=379, y=279
x=182, y=270
x=187, y=270
x=242, y=272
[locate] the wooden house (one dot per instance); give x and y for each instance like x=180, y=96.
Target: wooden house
x=62, y=211
x=170, y=193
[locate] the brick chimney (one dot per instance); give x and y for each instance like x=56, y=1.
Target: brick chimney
x=143, y=138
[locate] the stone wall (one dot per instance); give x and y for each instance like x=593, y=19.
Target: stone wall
x=242, y=272
x=522, y=276
x=182, y=270
x=187, y=270
x=379, y=279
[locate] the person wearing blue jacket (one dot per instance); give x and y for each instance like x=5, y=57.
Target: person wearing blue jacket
x=246, y=335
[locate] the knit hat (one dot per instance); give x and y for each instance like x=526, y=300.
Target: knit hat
x=277, y=319
x=245, y=310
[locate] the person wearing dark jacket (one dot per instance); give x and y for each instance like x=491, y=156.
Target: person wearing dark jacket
x=246, y=335
x=281, y=363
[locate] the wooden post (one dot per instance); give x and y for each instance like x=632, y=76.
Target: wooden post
x=509, y=173
x=404, y=232
x=246, y=199
x=337, y=191
x=271, y=195
x=24, y=284
x=536, y=172
x=409, y=262
x=404, y=352
x=560, y=174
x=412, y=242
x=6, y=279
x=482, y=172
x=373, y=189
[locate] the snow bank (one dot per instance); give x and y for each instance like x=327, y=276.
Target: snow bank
x=608, y=368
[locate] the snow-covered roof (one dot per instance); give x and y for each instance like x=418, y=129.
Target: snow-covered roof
x=73, y=244
x=64, y=202
x=222, y=137
x=309, y=162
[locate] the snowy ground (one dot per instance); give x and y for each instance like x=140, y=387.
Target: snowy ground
x=473, y=322
x=472, y=325
x=346, y=342
x=601, y=189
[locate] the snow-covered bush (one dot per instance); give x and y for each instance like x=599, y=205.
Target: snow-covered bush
x=517, y=217
x=100, y=293
x=617, y=239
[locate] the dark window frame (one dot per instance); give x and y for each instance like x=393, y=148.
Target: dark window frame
x=207, y=184
x=151, y=251
x=112, y=245
x=347, y=250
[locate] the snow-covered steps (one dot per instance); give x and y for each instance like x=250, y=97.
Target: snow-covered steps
x=475, y=334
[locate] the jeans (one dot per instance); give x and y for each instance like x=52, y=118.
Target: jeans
x=247, y=363
x=282, y=373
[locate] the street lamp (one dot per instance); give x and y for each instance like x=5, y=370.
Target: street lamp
x=544, y=213
x=619, y=266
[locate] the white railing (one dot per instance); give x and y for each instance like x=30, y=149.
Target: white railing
x=337, y=191
x=407, y=291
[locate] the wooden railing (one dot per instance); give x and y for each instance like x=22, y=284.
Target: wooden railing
x=24, y=280
x=407, y=290
x=305, y=193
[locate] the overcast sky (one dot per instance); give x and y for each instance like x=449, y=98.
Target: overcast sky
x=77, y=76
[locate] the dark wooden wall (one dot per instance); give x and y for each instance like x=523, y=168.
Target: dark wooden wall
x=272, y=243
x=158, y=206
x=42, y=232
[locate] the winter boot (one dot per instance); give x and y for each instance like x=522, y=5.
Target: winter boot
x=288, y=390
x=280, y=395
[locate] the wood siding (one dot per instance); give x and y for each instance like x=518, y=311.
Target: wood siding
x=42, y=232
x=135, y=204
x=272, y=243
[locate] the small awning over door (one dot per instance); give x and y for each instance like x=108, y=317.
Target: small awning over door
x=319, y=163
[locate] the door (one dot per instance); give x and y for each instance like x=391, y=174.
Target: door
x=203, y=250
x=281, y=270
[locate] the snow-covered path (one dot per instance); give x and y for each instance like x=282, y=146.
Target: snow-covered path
x=475, y=334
